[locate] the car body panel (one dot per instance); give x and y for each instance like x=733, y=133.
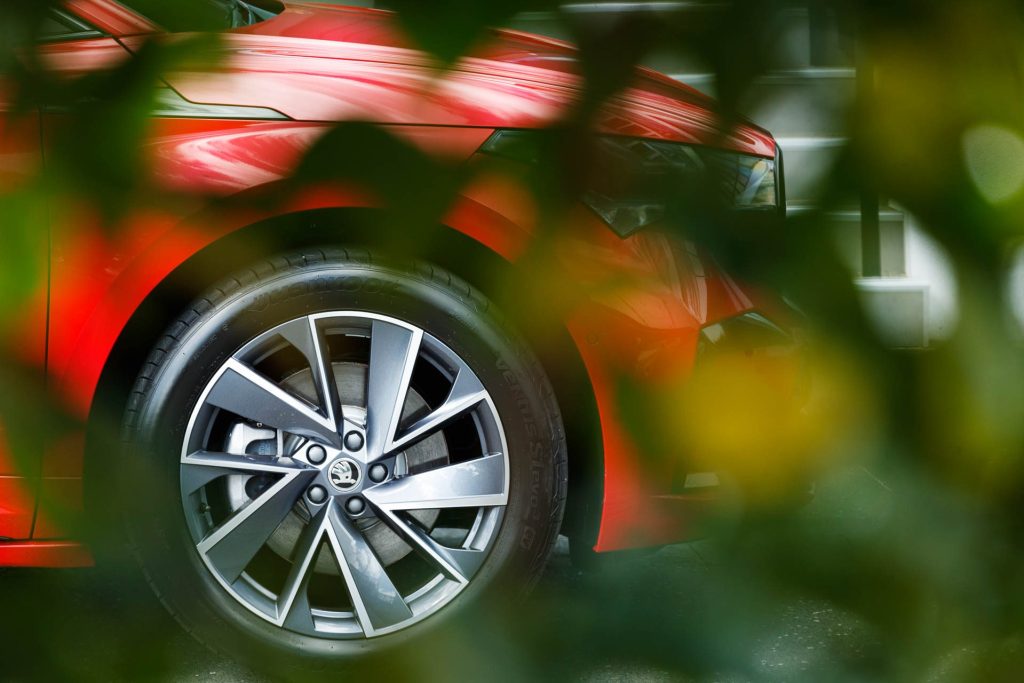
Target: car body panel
x=18, y=508
x=100, y=277
x=307, y=81
x=110, y=17
x=25, y=339
x=75, y=58
x=655, y=293
x=57, y=554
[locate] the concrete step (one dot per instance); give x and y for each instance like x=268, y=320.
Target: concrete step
x=892, y=229
x=800, y=103
x=899, y=302
x=846, y=227
x=808, y=162
x=898, y=309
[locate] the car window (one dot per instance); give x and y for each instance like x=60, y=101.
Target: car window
x=204, y=15
x=60, y=26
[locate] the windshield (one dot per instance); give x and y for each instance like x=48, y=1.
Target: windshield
x=204, y=15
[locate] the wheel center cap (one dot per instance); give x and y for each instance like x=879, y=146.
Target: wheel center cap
x=344, y=474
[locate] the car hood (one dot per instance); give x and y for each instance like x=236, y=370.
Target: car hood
x=327, y=63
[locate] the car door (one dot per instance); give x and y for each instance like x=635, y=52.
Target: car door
x=22, y=314
x=23, y=277
x=76, y=249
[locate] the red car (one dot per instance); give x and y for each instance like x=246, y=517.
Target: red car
x=331, y=447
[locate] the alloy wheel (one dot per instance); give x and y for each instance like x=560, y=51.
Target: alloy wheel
x=344, y=475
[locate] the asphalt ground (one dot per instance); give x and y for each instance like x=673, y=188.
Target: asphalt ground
x=665, y=615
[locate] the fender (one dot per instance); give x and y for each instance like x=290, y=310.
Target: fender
x=77, y=360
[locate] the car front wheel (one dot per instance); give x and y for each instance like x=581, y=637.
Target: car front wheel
x=339, y=454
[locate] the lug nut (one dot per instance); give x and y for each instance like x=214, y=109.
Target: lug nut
x=355, y=506
x=316, y=494
x=316, y=454
x=353, y=441
x=378, y=473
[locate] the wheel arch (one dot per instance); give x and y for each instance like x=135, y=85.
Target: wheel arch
x=448, y=248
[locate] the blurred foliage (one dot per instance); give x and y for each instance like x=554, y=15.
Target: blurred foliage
x=910, y=559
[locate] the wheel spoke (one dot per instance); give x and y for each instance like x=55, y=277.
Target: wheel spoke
x=300, y=616
x=474, y=483
x=459, y=564
x=202, y=467
x=304, y=335
x=293, y=609
x=377, y=602
x=233, y=544
x=467, y=392
x=393, y=351
x=247, y=393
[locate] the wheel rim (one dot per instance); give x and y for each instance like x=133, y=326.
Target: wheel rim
x=336, y=511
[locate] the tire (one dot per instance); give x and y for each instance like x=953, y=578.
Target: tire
x=187, y=409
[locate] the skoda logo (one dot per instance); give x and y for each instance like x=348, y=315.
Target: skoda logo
x=344, y=474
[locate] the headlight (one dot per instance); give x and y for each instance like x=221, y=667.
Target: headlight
x=750, y=182
x=632, y=180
